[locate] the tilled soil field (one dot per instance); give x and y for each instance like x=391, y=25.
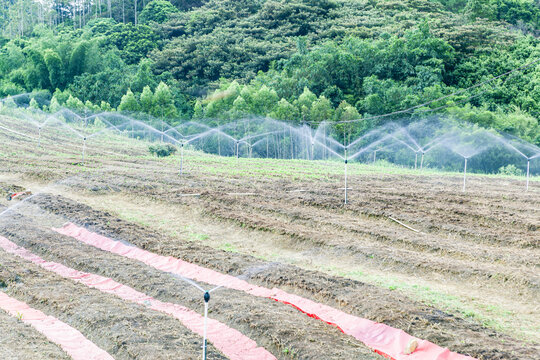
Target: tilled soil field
x=486, y=240
x=20, y=341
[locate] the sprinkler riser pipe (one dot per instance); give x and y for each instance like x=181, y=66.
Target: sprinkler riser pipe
x=528, y=163
x=465, y=175
x=422, y=162
x=205, y=324
x=181, y=159
x=83, y=149
x=346, y=176
x=415, y=160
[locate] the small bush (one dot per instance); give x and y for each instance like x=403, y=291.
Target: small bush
x=162, y=150
x=510, y=170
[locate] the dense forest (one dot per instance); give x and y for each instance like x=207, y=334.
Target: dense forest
x=304, y=61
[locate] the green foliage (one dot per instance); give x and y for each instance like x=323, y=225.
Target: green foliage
x=147, y=100
x=298, y=61
x=105, y=86
x=61, y=96
x=105, y=106
x=515, y=122
x=321, y=110
x=134, y=42
x=285, y=111
x=510, y=170
x=263, y=101
x=55, y=68
x=162, y=150
x=143, y=77
x=54, y=106
x=164, y=107
x=7, y=88
x=129, y=102
x=157, y=11
x=481, y=9
x=34, y=104
x=74, y=103
x=37, y=73
x=78, y=59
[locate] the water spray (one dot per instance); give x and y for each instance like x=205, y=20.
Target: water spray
x=11, y=208
x=299, y=141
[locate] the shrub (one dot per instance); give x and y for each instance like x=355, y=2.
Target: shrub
x=510, y=170
x=162, y=150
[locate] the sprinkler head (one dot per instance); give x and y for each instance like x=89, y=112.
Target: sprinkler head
x=345, y=161
x=84, y=138
x=206, y=297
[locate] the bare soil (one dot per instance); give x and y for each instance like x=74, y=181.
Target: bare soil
x=280, y=329
x=364, y=300
x=484, y=242
x=20, y=342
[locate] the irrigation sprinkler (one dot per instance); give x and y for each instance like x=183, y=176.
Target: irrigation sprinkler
x=465, y=174
x=237, y=144
x=181, y=158
x=415, y=160
x=39, y=136
x=83, y=149
x=206, y=300
x=422, y=161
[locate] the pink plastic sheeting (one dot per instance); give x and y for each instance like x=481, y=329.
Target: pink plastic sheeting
x=383, y=339
x=230, y=342
x=69, y=339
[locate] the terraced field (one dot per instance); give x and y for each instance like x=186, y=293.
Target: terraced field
x=462, y=274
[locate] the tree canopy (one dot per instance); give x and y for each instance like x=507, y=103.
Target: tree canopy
x=302, y=61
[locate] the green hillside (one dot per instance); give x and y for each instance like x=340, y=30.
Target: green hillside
x=300, y=61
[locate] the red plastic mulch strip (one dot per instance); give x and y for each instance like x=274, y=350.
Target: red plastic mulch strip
x=383, y=339
x=69, y=339
x=230, y=342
